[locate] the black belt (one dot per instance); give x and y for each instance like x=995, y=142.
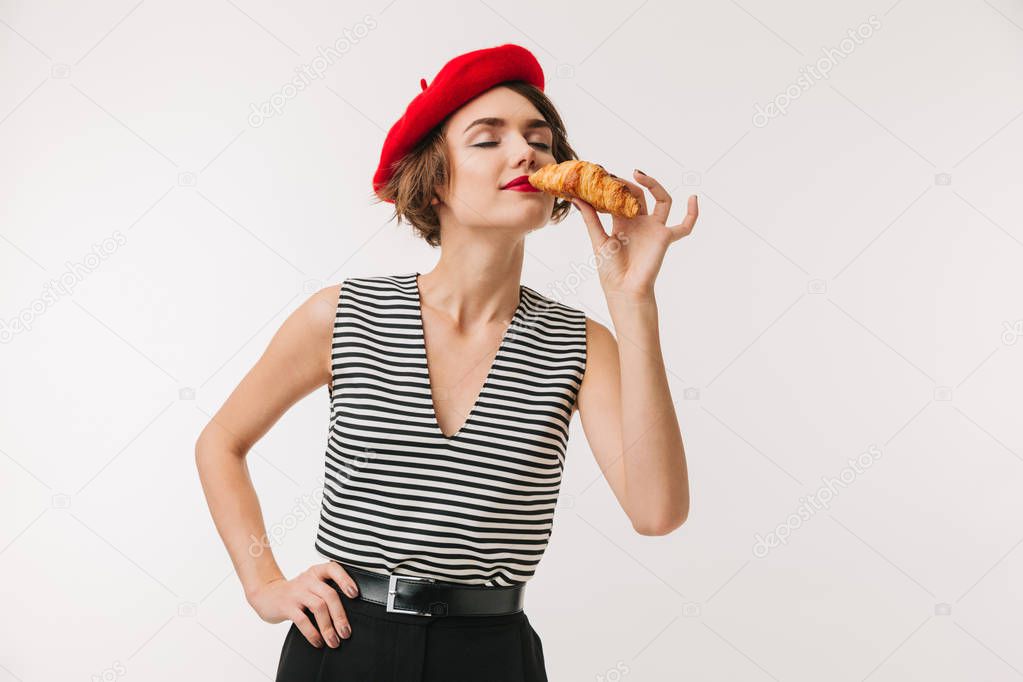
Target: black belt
x=411, y=594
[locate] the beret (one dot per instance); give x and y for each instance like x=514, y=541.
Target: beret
x=460, y=80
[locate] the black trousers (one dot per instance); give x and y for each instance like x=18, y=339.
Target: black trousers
x=401, y=647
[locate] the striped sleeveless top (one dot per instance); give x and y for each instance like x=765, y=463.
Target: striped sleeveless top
x=401, y=497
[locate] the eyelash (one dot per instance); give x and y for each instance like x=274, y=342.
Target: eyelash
x=542, y=145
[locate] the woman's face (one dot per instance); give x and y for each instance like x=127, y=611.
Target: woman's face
x=485, y=155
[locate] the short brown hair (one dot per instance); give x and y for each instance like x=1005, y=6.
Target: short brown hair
x=412, y=185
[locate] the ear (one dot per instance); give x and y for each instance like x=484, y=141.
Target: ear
x=438, y=196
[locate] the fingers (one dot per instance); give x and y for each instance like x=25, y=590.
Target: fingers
x=343, y=580
x=593, y=225
x=662, y=207
x=305, y=626
x=315, y=603
x=687, y=224
x=338, y=619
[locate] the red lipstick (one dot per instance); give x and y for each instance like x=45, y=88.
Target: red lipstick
x=520, y=184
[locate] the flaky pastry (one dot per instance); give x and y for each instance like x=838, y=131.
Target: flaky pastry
x=589, y=182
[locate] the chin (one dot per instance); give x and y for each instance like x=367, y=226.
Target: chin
x=532, y=220
x=534, y=217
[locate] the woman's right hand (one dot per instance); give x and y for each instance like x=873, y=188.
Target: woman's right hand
x=281, y=599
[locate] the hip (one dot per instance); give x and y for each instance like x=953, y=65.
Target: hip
x=399, y=647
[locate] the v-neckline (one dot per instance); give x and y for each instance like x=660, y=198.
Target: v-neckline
x=421, y=331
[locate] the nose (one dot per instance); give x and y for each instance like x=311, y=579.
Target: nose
x=527, y=154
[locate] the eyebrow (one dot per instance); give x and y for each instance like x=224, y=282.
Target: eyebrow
x=499, y=122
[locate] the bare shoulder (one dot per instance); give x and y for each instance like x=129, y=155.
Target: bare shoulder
x=597, y=332
x=599, y=342
x=320, y=312
x=321, y=308
x=305, y=337
x=601, y=361
x=295, y=363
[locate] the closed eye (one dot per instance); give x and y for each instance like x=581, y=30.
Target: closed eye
x=540, y=145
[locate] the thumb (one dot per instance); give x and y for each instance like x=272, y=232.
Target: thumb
x=593, y=225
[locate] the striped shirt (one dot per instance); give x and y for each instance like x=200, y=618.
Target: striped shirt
x=399, y=496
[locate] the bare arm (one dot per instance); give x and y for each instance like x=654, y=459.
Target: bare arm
x=627, y=411
x=295, y=363
x=630, y=423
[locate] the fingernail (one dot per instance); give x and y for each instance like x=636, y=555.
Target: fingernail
x=334, y=641
x=640, y=172
x=346, y=631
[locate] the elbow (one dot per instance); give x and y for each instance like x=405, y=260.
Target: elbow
x=204, y=449
x=663, y=526
x=201, y=443
x=212, y=447
x=200, y=448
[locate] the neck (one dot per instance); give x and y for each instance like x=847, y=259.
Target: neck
x=474, y=283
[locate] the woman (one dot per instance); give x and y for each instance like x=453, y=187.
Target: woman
x=451, y=396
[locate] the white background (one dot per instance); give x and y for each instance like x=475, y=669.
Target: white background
x=853, y=282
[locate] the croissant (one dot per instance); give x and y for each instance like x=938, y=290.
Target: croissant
x=589, y=182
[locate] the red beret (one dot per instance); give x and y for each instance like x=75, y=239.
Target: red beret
x=458, y=81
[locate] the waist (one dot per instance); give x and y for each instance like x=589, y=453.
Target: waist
x=415, y=599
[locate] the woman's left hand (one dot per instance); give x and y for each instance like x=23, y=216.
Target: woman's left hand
x=629, y=258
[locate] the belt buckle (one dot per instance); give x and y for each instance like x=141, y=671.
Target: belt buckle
x=392, y=588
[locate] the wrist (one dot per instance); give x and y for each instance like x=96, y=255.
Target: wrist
x=632, y=298
x=254, y=588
